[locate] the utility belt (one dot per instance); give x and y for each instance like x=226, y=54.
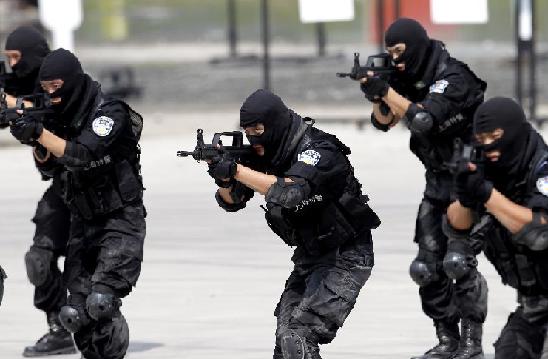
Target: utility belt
x=335, y=223
x=116, y=186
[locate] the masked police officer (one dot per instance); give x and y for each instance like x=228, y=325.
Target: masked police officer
x=25, y=50
x=436, y=95
x=99, y=151
x=510, y=191
x=313, y=202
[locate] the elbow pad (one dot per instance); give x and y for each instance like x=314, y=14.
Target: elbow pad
x=76, y=155
x=419, y=121
x=535, y=234
x=288, y=194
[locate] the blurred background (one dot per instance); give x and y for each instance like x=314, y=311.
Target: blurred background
x=181, y=58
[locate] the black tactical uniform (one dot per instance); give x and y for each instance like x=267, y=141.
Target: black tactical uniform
x=2, y=277
x=444, y=93
x=52, y=218
x=103, y=190
x=521, y=175
x=322, y=212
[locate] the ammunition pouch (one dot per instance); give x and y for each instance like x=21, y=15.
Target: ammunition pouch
x=92, y=196
x=500, y=254
x=280, y=225
x=331, y=226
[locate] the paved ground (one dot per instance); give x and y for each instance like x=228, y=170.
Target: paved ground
x=210, y=280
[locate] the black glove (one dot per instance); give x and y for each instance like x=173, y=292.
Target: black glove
x=222, y=170
x=374, y=89
x=26, y=129
x=472, y=188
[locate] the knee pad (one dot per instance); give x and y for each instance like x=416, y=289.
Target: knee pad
x=73, y=319
x=102, y=306
x=293, y=345
x=456, y=265
x=288, y=194
x=38, y=263
x=422, y=273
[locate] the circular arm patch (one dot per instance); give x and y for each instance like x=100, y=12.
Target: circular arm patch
x=102, y=126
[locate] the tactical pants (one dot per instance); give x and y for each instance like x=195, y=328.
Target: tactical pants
x=321, y=291
x=524, y=335
x=442, y=298
x=104, y=252
x=52, y=220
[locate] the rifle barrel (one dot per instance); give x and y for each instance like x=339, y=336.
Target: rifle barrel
x=185, y=153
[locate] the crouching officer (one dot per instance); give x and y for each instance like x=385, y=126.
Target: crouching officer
x=510, y=192
x=437, y=96
x=103, y=189
x=313, y=202
x=25, y=50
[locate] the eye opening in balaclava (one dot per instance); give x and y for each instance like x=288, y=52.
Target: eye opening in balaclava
x=264, y=107
x=411, y=33
x=33, y=48
x=505, y=114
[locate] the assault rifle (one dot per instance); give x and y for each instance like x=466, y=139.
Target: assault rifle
x=207, y=152
x=380, y=64
x=40, y=105
x=464, y=154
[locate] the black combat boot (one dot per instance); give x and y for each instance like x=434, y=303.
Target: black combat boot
x=448, y=336
x=470, y=340
x=56, y=341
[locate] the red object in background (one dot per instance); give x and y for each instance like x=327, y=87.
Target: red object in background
x=415, y=9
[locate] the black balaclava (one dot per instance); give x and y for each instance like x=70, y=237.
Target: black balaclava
x=267, y=108
x=33, y=47
x=416, y=40
x=78, y=89
x=506, y=114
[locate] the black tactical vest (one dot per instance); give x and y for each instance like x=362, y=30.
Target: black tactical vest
x=111, y=182
x=520, y=267
x=322, y=224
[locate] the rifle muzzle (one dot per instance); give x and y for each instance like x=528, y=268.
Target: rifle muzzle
x=184, y=153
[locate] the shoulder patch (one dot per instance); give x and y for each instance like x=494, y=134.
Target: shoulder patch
x=542, y=185
x=439, y=86
x=102, y=126
x=310, y=157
